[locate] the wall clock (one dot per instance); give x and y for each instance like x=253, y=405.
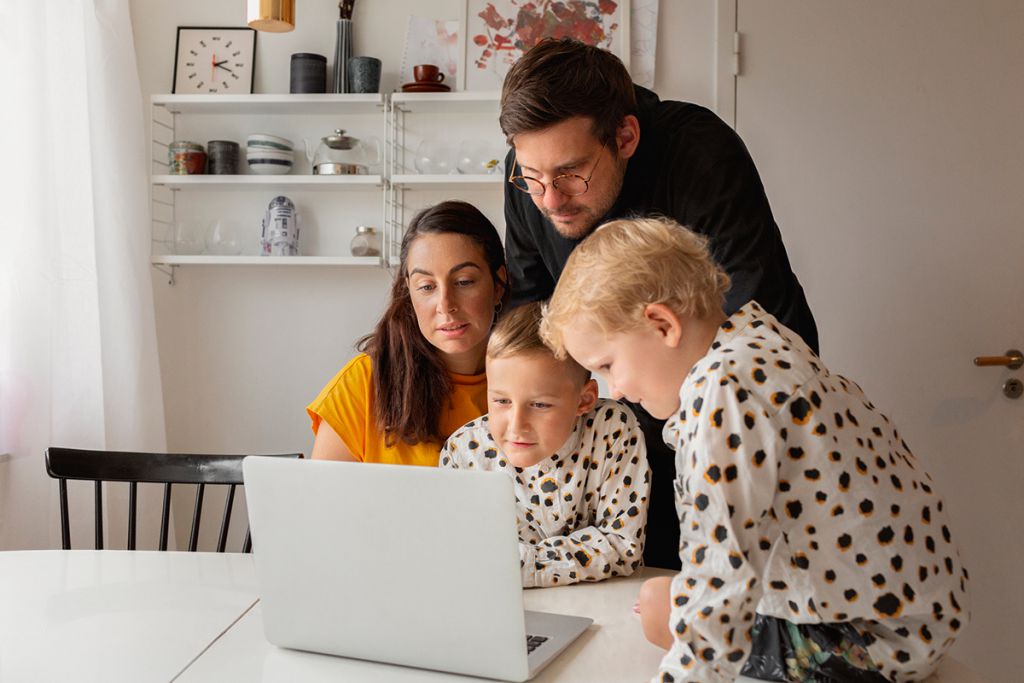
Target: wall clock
x=214, y=60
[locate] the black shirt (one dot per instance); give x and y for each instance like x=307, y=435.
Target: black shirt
x=691, y=167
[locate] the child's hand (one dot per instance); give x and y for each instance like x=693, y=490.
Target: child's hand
x=636, y=607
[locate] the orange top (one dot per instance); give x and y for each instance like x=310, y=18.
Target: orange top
x=346, y=404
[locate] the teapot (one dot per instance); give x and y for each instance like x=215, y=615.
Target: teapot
x=342, y=154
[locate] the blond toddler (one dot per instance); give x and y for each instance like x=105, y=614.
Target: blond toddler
x=814, y=545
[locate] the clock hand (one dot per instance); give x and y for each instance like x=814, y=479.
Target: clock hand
x=224, y=67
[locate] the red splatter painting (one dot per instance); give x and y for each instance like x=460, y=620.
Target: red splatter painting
x=503, y=30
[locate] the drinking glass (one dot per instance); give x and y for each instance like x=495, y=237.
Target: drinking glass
x=433, y=157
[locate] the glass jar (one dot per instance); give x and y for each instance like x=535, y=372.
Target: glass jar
x=366, y=242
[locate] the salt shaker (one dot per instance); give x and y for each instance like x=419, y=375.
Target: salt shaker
x=366, y=242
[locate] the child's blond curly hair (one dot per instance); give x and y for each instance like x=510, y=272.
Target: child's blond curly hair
x=624, y=266
x=518, y=333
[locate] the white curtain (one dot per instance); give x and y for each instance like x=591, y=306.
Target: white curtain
x=78, y=353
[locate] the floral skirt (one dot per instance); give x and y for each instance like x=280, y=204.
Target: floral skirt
x=823, y=653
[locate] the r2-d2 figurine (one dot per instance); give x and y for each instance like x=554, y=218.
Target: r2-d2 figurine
x=281, y=224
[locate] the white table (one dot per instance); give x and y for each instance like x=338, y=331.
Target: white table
x=85, y=615
x=612, y=649
x=141, y=616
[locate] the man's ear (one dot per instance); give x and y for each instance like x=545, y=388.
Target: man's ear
x=588, y=397
x=627, y=136
x=665, y=322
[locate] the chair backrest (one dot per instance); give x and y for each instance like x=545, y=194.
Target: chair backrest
x=148, y=468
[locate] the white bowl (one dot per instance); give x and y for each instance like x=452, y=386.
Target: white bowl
x=263, y=148
x=269, y=154
x=269, y=141
x=269, y=167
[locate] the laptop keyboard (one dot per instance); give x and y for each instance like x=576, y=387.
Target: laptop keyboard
x=533, y=642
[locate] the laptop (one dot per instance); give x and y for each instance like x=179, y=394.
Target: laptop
x=413, y=566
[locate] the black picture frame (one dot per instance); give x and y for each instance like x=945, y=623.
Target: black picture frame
x=177, y=51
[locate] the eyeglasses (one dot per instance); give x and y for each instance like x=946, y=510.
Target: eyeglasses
x=569, y=184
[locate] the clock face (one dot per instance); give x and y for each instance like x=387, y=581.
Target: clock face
x=214, y=60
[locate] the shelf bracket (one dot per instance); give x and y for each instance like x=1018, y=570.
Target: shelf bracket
x=168, y=271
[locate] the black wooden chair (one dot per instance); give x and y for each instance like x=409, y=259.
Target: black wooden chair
x=156, y=468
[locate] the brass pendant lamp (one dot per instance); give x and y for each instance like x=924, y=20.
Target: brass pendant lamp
x=276, y=16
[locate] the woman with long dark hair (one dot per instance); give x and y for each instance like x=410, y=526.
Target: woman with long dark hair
x=420, y=375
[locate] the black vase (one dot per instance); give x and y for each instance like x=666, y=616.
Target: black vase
x=342, y=53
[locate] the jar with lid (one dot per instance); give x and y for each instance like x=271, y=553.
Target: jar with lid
x=185, y=158
x=366, y=242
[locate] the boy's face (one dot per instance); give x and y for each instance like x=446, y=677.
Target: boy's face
x=646, y=365
x=533, y=402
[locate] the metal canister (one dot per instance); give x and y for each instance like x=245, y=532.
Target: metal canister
x=186, y=158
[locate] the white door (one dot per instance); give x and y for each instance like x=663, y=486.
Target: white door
x=890, y=139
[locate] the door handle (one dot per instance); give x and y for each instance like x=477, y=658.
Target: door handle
x=1013, y=359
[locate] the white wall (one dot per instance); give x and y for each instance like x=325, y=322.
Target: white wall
x=243, y=350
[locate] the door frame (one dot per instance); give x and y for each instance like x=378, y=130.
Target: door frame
x=728, y=63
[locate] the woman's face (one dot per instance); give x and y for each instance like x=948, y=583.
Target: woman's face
x=454, y=296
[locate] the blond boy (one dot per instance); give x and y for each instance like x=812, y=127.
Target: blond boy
x=811, y=537
x=577, y=462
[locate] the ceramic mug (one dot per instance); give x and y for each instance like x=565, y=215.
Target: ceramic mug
x=364, y=74
x=427, y=73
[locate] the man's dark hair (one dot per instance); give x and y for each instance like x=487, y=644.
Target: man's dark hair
x=562, y=78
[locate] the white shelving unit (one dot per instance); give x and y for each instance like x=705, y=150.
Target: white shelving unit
x=167, y=190
x=440, y=182
x=400, y=176
x=291, y=105
x=205, y=260
x=472, y=102
x=242, y=182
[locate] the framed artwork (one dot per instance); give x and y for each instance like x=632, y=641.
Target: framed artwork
x=214, y=60
x=498, y=32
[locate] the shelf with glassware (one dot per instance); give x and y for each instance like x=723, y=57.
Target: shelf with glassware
x=420, y=159
x=232, y=117
x=400, y=172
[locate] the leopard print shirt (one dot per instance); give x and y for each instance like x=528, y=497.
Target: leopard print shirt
x=581, y=512
x=798, y=499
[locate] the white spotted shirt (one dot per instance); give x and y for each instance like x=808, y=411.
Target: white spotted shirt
x=798, y=499
x=581, y=512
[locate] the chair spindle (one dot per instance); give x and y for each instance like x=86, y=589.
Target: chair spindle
x=193, y=537
x=165, y=516
x=99, y=515
x=222, y=542
x=132, y=500
x=65, y=522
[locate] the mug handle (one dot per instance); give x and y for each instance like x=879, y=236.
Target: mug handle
x=440, y=76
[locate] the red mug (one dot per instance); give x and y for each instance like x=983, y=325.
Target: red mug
x=427, y=73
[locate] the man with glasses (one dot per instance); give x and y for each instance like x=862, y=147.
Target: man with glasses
x=589, y=146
